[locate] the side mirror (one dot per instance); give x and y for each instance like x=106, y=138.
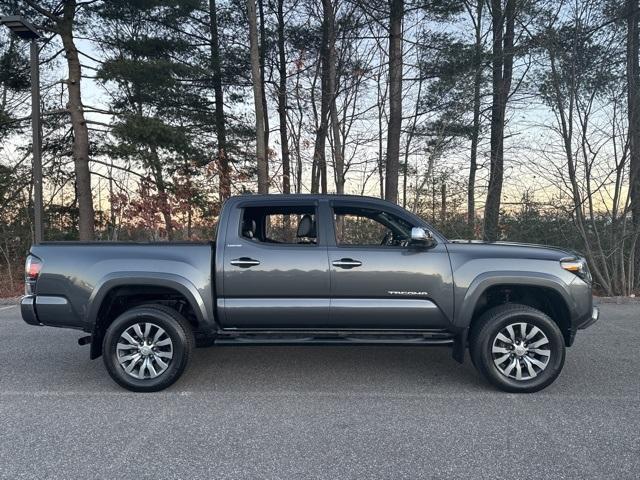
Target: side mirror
x=422, y=237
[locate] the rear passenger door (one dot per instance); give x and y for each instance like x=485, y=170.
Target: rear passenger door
x=276, y=272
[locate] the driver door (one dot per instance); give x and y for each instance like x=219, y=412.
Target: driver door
x=378, y=279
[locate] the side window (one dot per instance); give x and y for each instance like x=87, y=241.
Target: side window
x=370, y=227
x=280, y=225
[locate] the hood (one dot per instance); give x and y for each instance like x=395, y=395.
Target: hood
x=512, y=250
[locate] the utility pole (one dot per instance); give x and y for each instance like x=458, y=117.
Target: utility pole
x=26, y=31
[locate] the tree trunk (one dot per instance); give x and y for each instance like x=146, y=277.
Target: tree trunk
x=633, y=112
x=337, y=149
x=395, y=100
x=443, y=200
x=161, y=186
x=263, y=49
x=382, y=97
x=501, y=78
x=475, y=132
x=261, y=154
x=282, y=101
x=221, y=134
x=407, y=147
x=332, y=86
x=78, y=124
x=319, y=154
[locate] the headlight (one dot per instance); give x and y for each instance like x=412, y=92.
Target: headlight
x=577, y=266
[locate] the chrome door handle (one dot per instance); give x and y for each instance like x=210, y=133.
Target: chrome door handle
x=244, y=262
x=346, y=263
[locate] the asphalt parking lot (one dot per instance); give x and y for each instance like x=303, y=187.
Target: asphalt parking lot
x=318, y=412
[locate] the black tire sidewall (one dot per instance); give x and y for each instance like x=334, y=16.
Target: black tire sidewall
x=163, y=319
x=496, y=321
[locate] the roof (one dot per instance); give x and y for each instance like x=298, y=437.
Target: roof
x=308, y=196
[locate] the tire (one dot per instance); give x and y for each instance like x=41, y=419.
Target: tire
x=165, y=352
x=521, y=354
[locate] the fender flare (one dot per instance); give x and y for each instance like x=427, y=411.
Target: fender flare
x=167, y=280
x=487, y=280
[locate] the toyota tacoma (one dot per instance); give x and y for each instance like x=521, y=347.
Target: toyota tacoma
x=314, y=270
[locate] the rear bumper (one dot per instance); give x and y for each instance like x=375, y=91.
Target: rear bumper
x=28, y=310
x=54, y=311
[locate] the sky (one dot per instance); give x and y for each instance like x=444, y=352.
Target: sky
x=532, y=152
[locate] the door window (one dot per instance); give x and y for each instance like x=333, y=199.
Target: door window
x=355, y=226
x=280, y=225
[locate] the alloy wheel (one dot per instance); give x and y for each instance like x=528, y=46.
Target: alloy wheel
x=144, y=350
x=521, y=351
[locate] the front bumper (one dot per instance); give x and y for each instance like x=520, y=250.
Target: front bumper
x=28, y=310
x=595, y=315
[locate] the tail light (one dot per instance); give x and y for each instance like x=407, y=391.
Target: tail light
x=31, y=274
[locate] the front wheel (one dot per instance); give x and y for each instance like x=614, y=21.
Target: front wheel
x=517, y=348
x=147, y=348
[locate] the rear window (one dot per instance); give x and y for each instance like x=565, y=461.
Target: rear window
x=294, y=225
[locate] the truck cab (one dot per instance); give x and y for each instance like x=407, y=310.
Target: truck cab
x=330, y=263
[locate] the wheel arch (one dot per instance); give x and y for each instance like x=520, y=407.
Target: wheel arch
x=541, y=291
x=131, y=289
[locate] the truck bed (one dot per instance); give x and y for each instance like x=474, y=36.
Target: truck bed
x=76, y=275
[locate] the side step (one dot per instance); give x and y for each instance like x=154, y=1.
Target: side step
x=325, y=337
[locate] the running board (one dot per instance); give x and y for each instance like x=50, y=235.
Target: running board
x=324, y=337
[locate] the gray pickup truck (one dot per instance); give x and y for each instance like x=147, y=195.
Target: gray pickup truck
x=314, y=270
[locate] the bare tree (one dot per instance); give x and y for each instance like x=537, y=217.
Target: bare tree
x=633, y=114
x=222, y=157
x=332, y=87
x=319, y=154
x=282, y=100
x=503, y=21
x=63, y=24
x=395, y=100
x=476, y=19
x=256, y=77
x=263, y=52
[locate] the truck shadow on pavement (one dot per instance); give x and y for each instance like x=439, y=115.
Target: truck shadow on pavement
x=328, y=369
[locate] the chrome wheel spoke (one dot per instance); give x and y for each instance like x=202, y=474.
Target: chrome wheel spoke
x=534, y=331
x=518, y=370
x=143, y=367
x=539, y=351
x=538, y=343
x=530, y=369
x=499, y=361
x=510, y=367
x=514, y=358
x=159, y=333
x=512, y=334
x=138, y=330
x=495, y=349
x=130, y=339
x=538, y=363
x=523, y=330
x=129, y=368
x=161, y=363
x=152, y=371
x=504, y=339
x=147, y=358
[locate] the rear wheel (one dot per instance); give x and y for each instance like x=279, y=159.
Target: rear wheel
x=147, y=348
x=517, y=348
